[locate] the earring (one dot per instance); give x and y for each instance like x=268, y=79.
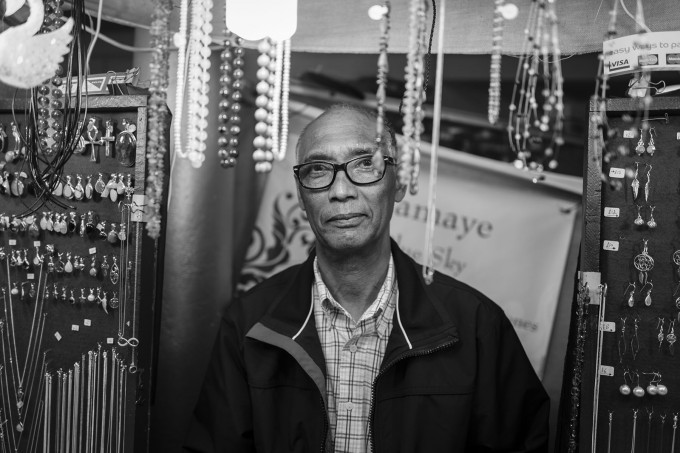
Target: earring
x=31, y=292
x=635, y=342
x=650, y=146
x=660, y=388
x=638, y=391
x=640, y=148
x=651, y=223
x=671, y=338
x=91, y=297
x=622, y=341
x=113, y=236
x=639, y=221
x=68, y=189
x=68, y=267
x=114, y=271
x=82, y=297
x=652, y=389
x=100, y=185
x=647, y=183
x=78, y=191
x=93, y=266
x=635, y=184
x=648, y=297
x=643, y=262
x=72, y=298
x=105, y=267
x=113, y=303
x=624, y=389
x=89, y=188
x=631, y=300
x=660, y=336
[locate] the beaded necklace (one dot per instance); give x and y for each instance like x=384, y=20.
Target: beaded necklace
x=157, y=146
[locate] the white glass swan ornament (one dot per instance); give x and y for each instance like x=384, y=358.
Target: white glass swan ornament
x=29, y=59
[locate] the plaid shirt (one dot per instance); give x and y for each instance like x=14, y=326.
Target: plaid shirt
x=353, y=352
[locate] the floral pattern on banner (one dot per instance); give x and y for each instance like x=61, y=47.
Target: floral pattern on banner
x=270, y=252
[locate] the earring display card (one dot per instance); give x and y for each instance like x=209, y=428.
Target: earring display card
x=78, y=279
x=632, y=238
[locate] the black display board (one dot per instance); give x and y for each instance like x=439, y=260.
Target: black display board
x=638, y=318
x=83, y=329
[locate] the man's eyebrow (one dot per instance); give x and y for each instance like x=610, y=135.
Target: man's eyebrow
x=354, y=151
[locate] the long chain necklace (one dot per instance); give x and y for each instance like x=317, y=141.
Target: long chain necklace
x=157, y=146
x=495, y=72
x=540, y=59
x=414, y=96
x=231, y=86
x=381, y=80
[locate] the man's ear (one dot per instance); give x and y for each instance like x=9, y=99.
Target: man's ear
x=400, y=191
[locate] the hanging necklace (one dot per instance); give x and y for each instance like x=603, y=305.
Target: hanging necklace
x=495, y=72
x=381, y=79
x=414, y=96
x=231, y=86
x=157, y=146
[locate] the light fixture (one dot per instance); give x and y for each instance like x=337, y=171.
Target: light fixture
x=257, y=19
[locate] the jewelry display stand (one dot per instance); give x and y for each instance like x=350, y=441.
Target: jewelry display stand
x=81, y=289
x=621, y=390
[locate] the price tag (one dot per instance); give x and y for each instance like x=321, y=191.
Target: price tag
x=607, y=326
x=75, y=327
x=109, y=340
x=36, y=243
x=628, y=134
x=87, y=322
x=606, y=370
x=30, y=276
x=617, y=172
x=12, y=242
x=611, y=212
x=678, y=136
x=93, y=250
x=57, y=335
x=612, y=246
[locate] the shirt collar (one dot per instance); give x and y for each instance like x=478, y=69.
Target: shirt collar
x=380, y=311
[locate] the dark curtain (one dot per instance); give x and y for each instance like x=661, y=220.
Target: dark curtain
x=211, y=214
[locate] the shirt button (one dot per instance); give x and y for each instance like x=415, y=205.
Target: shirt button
x=353, y=348
x=349, y=406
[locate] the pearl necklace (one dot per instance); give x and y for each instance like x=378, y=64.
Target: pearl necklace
x=199, y=82
x=230, y=107
x=381, y=79
x=495, y=76
x=271, y=115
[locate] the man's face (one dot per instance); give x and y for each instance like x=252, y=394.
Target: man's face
x=346, y=217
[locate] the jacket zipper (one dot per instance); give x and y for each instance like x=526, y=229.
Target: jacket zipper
x=384, y=370
x=325, y=425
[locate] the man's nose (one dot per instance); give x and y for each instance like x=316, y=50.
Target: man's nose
x=342, y=188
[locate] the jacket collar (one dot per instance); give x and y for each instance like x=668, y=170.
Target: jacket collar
x=425, y=321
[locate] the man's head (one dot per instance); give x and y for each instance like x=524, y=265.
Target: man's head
x=346, y=217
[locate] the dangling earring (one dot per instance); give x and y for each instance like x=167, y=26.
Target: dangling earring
x=635, y=342
x=114, y=271
x=671, y=338
x=648, y=297
x=622, y=341
x=651, y=223
x=660, y=388
x=647, y=183
x=640, y=148
x=638, y=391
x=631, y=299
x=635, y=184
x=639, y=221
x=625, y=388
x=650, y=146
x=660, y=336
x=78, y=191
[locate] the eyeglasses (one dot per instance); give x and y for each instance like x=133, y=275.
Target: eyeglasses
x=321, y=175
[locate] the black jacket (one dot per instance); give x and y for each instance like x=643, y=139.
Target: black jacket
x=466, y=384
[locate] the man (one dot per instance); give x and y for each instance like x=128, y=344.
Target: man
x=351, y=351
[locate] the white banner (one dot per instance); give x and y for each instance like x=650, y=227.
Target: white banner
x=658, y=51
x=496, y=231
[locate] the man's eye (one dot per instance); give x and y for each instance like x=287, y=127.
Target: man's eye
x=365, y=163
x=318, y=168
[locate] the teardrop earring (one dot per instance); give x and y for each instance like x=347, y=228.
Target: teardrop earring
x=650, y=146
x=639, y=221
x=640, y=148
x=651, y=223
x=648, y=296
x=635, y=184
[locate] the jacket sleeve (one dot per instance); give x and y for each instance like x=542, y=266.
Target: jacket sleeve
x=512, y=408
x=222, y=420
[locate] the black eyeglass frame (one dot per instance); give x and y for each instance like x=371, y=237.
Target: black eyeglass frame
x=337, y=167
